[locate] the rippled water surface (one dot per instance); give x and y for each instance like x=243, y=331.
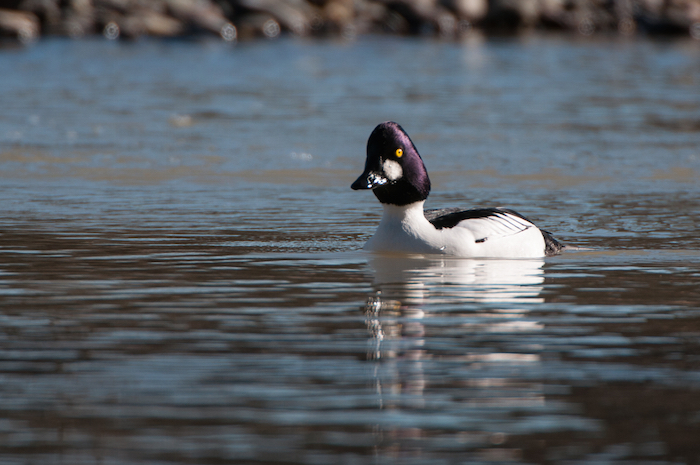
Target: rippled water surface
x=181, y=279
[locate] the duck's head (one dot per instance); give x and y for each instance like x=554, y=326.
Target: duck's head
x=393, y=170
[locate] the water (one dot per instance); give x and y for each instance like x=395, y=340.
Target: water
x=181, y=279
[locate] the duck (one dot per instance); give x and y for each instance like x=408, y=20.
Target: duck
x=396, y=174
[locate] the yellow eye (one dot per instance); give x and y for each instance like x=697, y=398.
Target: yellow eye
x=399, y=152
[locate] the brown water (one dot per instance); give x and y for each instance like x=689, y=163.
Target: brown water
x=181, y=279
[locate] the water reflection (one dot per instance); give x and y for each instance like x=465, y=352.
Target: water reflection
x=479, y=360
x=408, y=278
x=451, y=287
x=435, y=370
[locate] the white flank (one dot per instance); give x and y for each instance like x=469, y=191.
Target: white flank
x=502, y=235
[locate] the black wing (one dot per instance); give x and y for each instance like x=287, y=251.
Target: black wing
x=450, y=217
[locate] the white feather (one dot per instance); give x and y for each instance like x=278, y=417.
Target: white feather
x=502, y=235
x=392, y=169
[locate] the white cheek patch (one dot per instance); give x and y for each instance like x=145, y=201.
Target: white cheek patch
x=392, y=170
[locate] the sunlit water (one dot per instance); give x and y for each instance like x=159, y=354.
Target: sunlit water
x=181, y=279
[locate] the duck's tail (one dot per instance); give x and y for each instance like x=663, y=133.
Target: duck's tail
x=551, y=245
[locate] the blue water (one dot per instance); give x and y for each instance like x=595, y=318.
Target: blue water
x=181, y=274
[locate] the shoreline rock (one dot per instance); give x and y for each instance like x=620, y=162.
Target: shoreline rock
x=27, y=20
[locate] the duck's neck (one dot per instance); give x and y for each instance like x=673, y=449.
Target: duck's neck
x=405, y=229
x=405, y=215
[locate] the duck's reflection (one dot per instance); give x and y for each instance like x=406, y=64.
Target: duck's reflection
x=427, y=319
x=404, y=285
x=408, y=278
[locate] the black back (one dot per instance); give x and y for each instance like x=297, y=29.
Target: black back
x=449, y=218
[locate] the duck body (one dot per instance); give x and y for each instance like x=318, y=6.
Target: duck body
x=396, y=174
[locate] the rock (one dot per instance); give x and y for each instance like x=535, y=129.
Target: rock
x=154, y=24
x=470, y=10
x=201, y=13
x=293, y=15
x=233, y=19
x=512, y=15
x=23, y=25
x=48, y=11
x=582, y=16
x=79, y=18
x=340, y=14
x=257, y=25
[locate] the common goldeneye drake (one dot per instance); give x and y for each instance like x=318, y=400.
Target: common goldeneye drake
x=396, y=174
